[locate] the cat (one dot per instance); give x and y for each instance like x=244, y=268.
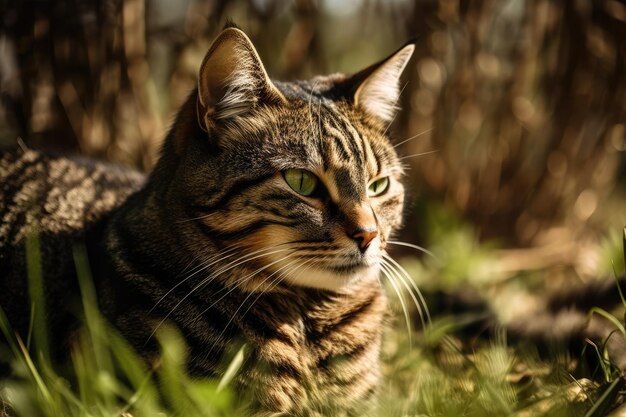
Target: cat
x=265, y=220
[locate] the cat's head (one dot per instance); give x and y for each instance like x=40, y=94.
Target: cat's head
x=300, y=176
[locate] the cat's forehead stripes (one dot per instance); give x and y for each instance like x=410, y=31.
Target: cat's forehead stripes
x=346, y=161
x=341, y=151
x=335, y=120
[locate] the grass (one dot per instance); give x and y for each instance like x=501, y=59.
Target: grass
x=439, y=374
x=105, y=377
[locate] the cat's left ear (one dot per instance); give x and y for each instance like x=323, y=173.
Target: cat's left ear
x=376, y=89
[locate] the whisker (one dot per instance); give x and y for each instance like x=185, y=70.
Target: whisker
x=191, y=262
x=293, y=246
x=311, y=126
x=392, y=270
x=276, y=281
x=206, y=280
x=410, y=245
x=212, y=261
x=220, y=254
x=418, y=154
x=401, y=269
x=413, y=137
x=285, y=269
x=313, y=261
x=284, y=273
x=392, y=120
x=280, y=277
x=197, y=269
x=244, y=301
x=319, y=117
x=204, y=216
x=241, y=280
x=398, y=169
x=407, y=317
x=394, y=105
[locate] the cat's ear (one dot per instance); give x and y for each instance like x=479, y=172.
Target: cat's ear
x=376, y=89
x=232, y=80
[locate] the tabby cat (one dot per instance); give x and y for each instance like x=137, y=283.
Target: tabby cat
x=265, y=221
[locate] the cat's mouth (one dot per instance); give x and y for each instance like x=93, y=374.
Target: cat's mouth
x=330, y=275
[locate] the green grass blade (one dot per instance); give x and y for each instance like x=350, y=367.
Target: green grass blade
x=31, y=324
x=605, y=402
x=8, y=333
x=619, y=287
x=232, y=369
x=624, y=246
x=93, y=320
x=43, y=389
x=171, y=372
x=602, y=361
x=98, y=377
x=36, y=294
x=134, y=368
x=610, y=317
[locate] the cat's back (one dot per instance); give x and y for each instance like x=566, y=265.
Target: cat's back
x=60, y=201
x=57, y=195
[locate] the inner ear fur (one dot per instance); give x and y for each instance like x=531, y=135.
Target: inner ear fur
x=376, y=89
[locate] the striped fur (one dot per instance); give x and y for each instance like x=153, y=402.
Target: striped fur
x=217, y=243
x=63, y=201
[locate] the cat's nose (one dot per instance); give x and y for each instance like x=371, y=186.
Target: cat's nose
x=364, y=237
x=362, y=226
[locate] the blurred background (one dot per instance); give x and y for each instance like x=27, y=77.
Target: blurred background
x=522, y=102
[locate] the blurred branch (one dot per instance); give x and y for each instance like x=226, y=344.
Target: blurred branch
x=522, y=99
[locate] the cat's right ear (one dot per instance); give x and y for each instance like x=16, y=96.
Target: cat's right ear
x=376, y=89
x=232, y=80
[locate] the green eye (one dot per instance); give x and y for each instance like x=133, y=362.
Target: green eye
x=378, y=187
x=301, y=181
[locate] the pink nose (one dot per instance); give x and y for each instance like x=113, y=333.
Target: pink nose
x=364, y=238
